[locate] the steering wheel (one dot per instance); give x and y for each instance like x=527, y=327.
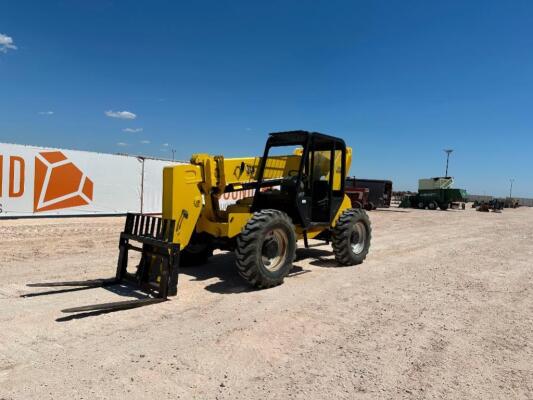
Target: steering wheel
x=292, y=173
x=292, y=181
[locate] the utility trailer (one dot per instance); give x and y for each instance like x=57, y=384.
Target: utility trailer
x=379, y=192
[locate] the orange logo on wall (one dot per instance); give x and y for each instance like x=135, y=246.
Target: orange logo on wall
x=59, y=183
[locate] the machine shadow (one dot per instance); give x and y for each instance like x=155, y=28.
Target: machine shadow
x=320, y=257
x=124, y=290
x=72, y=317
x=222, y=266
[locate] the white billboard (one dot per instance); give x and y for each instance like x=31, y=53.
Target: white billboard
x=36, y=181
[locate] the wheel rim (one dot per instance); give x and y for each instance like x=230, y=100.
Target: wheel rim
x=358, y=237
x=274, y=252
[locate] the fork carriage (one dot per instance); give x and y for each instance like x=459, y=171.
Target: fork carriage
x=157, y=252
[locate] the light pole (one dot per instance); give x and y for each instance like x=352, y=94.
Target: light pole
x=448, y=152
x=511, y=188
x=173, y=153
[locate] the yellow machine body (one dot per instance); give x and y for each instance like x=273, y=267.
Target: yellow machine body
x=288, y=197
x=191, y=193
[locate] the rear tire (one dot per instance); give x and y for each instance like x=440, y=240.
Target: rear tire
x=432, y=205
x=266, y=248
x=443, y=206
x=351, y=237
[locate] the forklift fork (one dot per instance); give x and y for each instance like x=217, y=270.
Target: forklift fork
x=157, y=272
x=157, y=251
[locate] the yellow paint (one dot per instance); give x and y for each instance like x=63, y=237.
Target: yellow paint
x=346, y=203
x=220, y=172
x=182, y=200
x=322, y=164
x=191, y=191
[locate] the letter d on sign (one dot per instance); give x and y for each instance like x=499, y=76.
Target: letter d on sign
x=20, y=190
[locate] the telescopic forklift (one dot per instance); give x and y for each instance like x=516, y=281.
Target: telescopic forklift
x=299, y=185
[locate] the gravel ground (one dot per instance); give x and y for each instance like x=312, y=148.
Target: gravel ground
x=442, y=308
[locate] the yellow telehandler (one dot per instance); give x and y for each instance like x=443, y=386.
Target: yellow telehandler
x=298, y=187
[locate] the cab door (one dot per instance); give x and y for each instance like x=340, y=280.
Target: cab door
x=324, y=178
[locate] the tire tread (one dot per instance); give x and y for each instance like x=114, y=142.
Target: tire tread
x=247, y=247
x=341, y=236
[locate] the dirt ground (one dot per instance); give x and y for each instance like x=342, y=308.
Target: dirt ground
x=442, y=308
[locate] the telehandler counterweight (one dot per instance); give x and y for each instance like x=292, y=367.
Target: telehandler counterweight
x=299, y=185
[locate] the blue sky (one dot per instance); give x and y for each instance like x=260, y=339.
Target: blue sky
x=398, y=80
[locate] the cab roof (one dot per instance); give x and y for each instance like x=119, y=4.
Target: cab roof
x=301, y=137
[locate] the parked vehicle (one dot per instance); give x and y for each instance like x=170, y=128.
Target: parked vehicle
x=485, y=206
x=435, y=193
x=359, y=197
x=379, y=195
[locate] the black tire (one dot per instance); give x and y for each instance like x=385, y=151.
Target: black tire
x=369, y=206
x=197, y=252
x=432, y=205
x=421, y=205
x=267, y=236
x=353, y=226
x=443, y=206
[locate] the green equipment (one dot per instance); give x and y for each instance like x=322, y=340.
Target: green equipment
x=434, y=193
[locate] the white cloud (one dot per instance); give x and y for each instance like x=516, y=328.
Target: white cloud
x=145, y=141
x=122, y=144
x=165, y=144
x=46, y=113
x=132, y=130
x=6, y=43
x=120, y=114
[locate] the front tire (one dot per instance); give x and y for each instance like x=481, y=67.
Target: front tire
x=351, y=237
x=266, y=248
